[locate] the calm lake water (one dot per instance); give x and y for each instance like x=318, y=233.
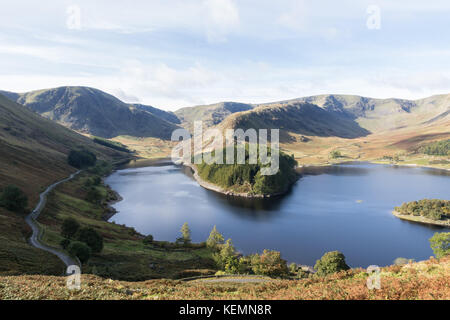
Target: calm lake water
x=342, y=207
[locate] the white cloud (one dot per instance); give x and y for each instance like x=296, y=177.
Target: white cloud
x=222, y=18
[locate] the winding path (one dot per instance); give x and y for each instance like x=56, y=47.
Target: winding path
x=31, y=221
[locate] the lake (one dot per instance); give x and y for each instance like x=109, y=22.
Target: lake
x=341, y=207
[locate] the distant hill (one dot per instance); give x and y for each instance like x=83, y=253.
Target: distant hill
x=380, y=114
x=92, y=111
x=340, y=115
x=211, y=115
x=299, y=117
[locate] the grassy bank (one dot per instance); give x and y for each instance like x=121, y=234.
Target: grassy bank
x=124, y=256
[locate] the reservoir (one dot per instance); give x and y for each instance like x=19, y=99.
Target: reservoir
x=343, y=207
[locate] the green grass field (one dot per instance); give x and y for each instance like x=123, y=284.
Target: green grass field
x=124, y=256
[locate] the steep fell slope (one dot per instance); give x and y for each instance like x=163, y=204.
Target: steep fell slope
x=33, y=155
x=95, y=112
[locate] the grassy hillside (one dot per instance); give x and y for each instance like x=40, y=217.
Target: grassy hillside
x=125, y=256
x=302, y=118
x=166, y=115
x=33, y=155
x=92, y=111
x=422, y=280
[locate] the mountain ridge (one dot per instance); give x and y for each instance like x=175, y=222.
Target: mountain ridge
x=95, y=112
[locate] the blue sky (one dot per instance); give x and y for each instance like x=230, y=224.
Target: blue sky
x=172, y=53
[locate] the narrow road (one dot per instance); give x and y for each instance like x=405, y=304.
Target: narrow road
x=31, y=221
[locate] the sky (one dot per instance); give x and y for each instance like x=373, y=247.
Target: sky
x=177, y=53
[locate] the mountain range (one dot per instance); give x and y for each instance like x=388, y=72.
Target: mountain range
x=95, y=112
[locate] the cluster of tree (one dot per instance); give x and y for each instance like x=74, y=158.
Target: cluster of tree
x=111, y=144
x=101, y=168
x=238, y=175
x=13, y=199
x=335, y=154
x=81, y=158
x=269, y=262
x=79, y=241
x=434, y=209
x=438, y=148
x=394, y=158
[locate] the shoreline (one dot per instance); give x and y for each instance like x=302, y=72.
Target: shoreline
x=213, y=187
x=422, y=220
x=413, y=165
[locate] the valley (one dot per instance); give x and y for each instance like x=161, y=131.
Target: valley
x=322, y=133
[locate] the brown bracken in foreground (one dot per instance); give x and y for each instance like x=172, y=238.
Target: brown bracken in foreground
x=422, y=280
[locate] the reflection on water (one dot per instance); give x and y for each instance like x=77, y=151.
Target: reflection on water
x=342, y=207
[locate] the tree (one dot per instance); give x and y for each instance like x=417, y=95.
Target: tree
x=92, y=238
x=69, y=228
x=269, y=263
x=81, y=158
x=80, y=250
x=227, y=251
x=331, y=262
x=186, y=233
x=65, y=243
x=214, y=239
x=440, y=243
x=293, y=267
x=93, y=195
x=96, y=180
x=13, y=199
x=148, y=239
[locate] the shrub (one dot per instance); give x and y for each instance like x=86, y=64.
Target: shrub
x=335, y=154
x=401, y=261
x=148, y=239
x=93, y=195
x=96, y=180
x=269, y=263
x=80, y=250
x=64, y=243
x=331, y=262
x=440, y=243
x=293, y=267
x=301, y=274
x=92, y=238
x=81, y=158
x=69, y=228
x=13, y=199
